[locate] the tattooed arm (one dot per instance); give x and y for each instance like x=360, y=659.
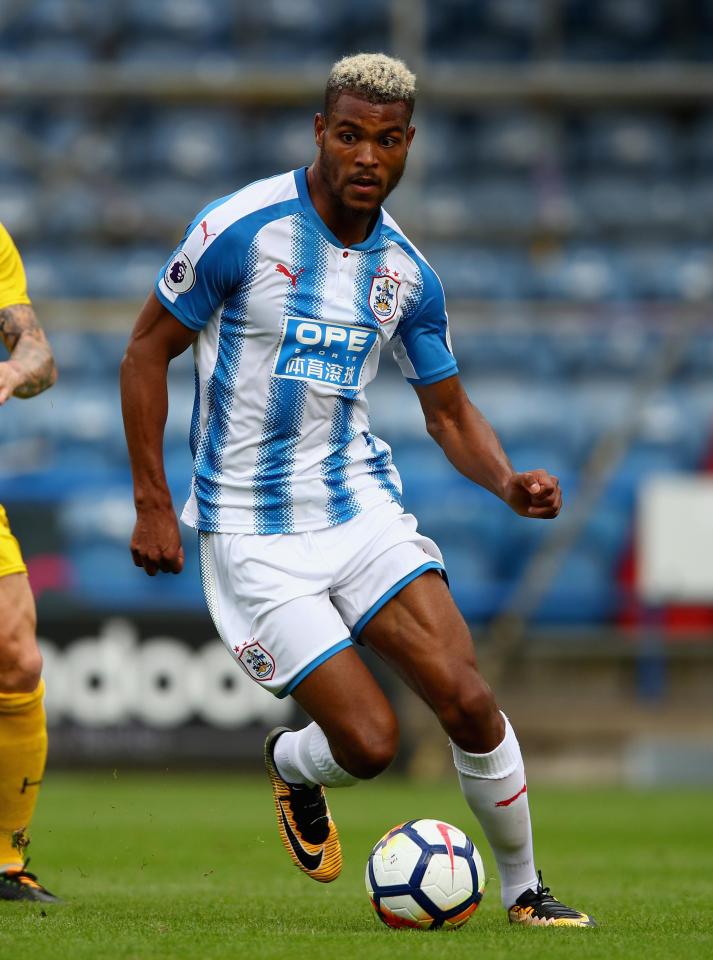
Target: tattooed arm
x=30, y=369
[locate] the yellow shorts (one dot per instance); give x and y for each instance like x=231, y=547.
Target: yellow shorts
x=10, y=557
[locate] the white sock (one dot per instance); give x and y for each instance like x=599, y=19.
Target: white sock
x=494, y=787
x=304, y=756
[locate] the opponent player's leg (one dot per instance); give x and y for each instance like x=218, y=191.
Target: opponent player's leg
x=23, y=735
x=423, y=636
x=353, y=736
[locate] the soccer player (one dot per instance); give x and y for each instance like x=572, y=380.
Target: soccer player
x=288, y=290
x=29, y=370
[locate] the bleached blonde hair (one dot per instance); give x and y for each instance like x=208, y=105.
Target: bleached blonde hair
x=373, y=77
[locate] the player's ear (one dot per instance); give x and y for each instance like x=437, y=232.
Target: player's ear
x=409, y=136
x=320, y=125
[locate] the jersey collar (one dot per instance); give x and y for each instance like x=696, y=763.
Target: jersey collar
x=306, y=200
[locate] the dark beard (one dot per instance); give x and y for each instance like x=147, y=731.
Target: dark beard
x=329, y=170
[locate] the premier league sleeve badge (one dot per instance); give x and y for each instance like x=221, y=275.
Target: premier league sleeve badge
x=180, y=275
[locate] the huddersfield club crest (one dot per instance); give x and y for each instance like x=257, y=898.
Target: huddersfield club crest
x=384, y=297
x=257, y=662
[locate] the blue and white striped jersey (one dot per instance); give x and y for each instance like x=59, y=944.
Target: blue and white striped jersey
x=291, y=326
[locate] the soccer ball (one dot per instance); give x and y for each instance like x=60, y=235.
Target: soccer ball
x=425, y=874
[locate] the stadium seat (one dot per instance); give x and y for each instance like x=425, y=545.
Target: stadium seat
x=580, y=273
x=643, y=142
x=153, y=56
x=625, y=204
x=196, y=143
x=699, y=44
x=72, y=212
x=35, y=55
x=87, y=144
x=195, y=22
x=617, y=353
x=275, y=140
x=17, y=146
x=158, y=207
x=105, y=576
x=698, y=361
x=607, y=533
x=700, y=207
x=700, y=146
x=508, y=350
x=582, y=591
x=306, y=30
x=616, y=30
x=506, y=141
x=488, y=31
x=499, y=204
x=642, y=461
x=108, y=516
x=443, y=146
x=53, y=273
x=476, y=272
x=658, y=271
x=22, y=207
x=67, y=19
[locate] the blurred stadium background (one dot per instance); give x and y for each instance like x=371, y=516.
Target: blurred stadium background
x=561, y=182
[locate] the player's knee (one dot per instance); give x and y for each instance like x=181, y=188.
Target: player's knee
x=20, y=658
x=20, y=669
x=470, y=714
x=372, y=748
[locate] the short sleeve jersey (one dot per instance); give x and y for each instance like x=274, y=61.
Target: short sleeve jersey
x=291, y=327
x=13, y=286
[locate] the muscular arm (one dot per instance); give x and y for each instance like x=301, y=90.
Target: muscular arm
x=156, y=339
x=472, y=446
x=30, y=369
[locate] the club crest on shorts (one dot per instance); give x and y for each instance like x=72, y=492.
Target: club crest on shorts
x=180, y=275
x=384, y=297
x=257, y=661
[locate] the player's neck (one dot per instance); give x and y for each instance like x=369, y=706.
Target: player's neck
x=348, y=226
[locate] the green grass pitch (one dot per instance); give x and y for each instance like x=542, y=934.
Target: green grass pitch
x=189, y=866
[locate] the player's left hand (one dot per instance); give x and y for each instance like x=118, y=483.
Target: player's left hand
x=534, y=494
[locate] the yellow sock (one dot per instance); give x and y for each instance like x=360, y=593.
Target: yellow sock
x=23, y=750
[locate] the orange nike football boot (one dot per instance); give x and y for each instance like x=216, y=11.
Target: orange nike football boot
x=538, y=908
x=306, y=828
x=18, y=883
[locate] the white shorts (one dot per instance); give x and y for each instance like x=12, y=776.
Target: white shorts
x=284, y=603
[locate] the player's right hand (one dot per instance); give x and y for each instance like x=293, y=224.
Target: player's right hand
x=10, y=379
x=156, y=542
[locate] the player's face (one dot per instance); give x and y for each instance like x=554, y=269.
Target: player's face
x=362, y=150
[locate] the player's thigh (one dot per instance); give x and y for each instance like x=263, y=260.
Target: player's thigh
x=20, y=659
x=296, y=646
x=421, y=634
